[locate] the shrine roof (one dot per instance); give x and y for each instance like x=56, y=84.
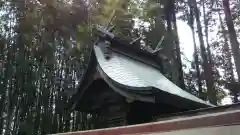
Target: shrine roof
x=134, y=74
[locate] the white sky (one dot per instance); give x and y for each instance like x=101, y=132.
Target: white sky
x=185, y=39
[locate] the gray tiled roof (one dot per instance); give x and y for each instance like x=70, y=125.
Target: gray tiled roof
x=139, y=76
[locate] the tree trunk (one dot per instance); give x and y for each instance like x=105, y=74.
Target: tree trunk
x=171, y=17
x=232, y=35
x=206, y=66
x=227, y=52
x=212, y=92
x=195, y=55
x=178, y=53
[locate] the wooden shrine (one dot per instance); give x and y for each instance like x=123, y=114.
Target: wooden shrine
x=124, y=85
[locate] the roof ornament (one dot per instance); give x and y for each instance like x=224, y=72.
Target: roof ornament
x=107, y=51
x=104, y=37
x=158, y=47
x=106, y=31
x=136, y=40
x=106, y=34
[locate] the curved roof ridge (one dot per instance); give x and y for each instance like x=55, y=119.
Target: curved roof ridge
x=139, y=75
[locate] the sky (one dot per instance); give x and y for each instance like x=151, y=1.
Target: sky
x=186, y=45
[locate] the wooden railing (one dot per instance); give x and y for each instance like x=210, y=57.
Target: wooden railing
x=210, y=122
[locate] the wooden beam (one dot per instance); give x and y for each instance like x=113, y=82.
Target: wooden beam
x=221, y=118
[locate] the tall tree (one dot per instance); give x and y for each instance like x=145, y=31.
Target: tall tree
x=161, y=12
x=178, y=51
x=195, y=54
x=228, y=65
x=232, y=35
x=208, y=71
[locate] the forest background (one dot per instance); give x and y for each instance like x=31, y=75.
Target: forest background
x=45, y=45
